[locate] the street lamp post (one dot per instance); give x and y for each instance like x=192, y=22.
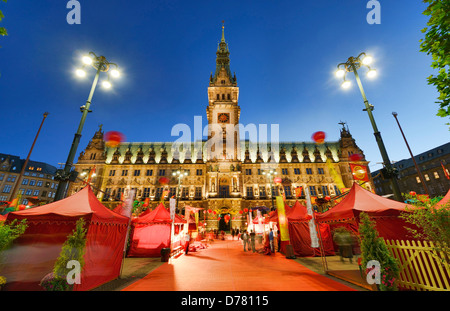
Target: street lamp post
x=419, y=172
x=180, y=176
x=352, y=65
x=270, y=175
x=101, y=65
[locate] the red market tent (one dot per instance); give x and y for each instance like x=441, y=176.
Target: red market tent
x=2, y=218
x=34, y=254
x=384, y=211
x=300, y=236
x=444, y=200
x=152, y=231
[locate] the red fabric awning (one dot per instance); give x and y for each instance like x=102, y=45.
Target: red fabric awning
x=159, y=215
x=444, y=200
x=361, y=200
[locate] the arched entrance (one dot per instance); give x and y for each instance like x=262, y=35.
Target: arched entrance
x=223, y=225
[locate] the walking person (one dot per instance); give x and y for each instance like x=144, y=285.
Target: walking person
x=272, y=248
x=233, y=233
x=279, y=240
x=244, y=238
x=252, y=240
x=187, y=238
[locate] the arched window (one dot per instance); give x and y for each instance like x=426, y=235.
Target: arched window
x=218, y=96
x=223, y=96
x=228, y=97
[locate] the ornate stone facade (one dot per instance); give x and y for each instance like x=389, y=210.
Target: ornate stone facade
x=224, y=181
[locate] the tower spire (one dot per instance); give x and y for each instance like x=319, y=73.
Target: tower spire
x=223, y=59
x=223, y=32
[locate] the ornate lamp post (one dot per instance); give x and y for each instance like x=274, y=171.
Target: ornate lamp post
x=180, y=176
x=100, y=64
x=352, y=65
x=270, y=175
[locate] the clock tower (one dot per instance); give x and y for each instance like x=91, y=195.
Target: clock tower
x=223, y=111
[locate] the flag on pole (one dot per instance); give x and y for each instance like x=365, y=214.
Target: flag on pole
x=312, y=227
x=165, y=192
x=172, y=205
x=445, y=171
x=91, y=174
x=298, y=192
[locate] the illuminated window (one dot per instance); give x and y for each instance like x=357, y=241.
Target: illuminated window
x=426, y=177
x=436, y=175
x=418, y=180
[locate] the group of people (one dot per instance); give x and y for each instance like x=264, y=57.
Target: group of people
x=249, y=241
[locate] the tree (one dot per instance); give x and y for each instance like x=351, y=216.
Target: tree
x=433, y=224
x=374, y=248
x=3, y=31
x=437, y=43
x=72, y=250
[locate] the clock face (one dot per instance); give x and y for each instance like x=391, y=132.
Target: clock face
x=223, y=117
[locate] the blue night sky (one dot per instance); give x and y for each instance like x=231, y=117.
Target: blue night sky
x=284, y=54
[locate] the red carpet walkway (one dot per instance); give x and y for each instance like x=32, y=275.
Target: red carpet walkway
x=224, y=266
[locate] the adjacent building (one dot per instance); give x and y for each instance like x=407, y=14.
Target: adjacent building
x=37, y=183
x=223, y=179
x=433, y=164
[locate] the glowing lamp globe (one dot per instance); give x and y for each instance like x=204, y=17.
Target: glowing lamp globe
x=277, y=180
x=319, y=137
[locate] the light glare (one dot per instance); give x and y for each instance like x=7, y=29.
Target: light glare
x=80, y=73
x=346, y=84
x=367, y=60
x=106, y=84
x=372, y=73
x=115, y=73
x=340, y=73
x=87, y=60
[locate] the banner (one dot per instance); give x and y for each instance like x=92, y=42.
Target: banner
x=172, y=204
x=128, y=204
x=359, y=172
x=445, y=171
x=336, y=177
x=282, y=219
x=298, y=192
x=312, y=227
x=259, y=216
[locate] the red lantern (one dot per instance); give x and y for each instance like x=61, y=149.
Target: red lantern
x=319, y=137
x=245, y=210
x=355, y=157
x=277, y=180
x=241, y=212
x=113, y=138
x=21, y=207
x=210, y=211
x=163, y=180
x=412, y=193
x=214, y=212
x=327, y=198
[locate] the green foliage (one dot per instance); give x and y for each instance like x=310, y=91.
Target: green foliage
x=9, y=232
x=72, y=249
x=374, y=248
x=3, y=31
x=437, y=44
x=433, y=225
